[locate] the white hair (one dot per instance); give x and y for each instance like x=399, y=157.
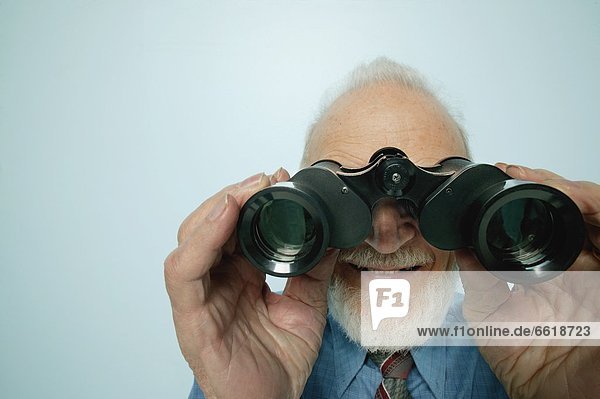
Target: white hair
x=431, y=297
x=380, y=70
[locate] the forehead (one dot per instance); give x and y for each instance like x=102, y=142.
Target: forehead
x=362, y=121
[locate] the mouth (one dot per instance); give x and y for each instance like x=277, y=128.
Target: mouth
x=386, y=269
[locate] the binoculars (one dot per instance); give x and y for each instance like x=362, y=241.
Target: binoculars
x=511, y=225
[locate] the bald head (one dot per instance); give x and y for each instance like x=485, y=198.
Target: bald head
x=384, y=115
x=384, y=104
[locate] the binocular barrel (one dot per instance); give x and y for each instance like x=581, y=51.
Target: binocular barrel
x=512, y=225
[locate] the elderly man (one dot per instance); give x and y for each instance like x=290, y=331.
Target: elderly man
x=242, y=340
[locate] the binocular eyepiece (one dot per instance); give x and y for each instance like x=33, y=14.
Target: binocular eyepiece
x=512, y=225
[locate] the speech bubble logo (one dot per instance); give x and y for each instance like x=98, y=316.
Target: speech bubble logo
x=389, y=298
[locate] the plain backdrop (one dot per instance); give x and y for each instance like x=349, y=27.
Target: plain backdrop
x=118, y=118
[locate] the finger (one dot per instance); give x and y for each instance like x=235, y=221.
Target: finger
x=585, y=194
x=484, y=293
x=280, y=175
x=593, y=233
x=311, y=288
x=187, y=265
x=524, y=173
x=240, y=191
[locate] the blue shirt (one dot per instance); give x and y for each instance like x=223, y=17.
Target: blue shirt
x=343, y=370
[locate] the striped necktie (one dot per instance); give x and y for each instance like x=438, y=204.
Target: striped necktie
x=394, y=368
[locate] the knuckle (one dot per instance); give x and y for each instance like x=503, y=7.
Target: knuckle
x=183, y=231
x=191, y=222
x=195, y=218
x=172, y=265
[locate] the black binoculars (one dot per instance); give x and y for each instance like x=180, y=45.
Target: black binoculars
x=511, y=225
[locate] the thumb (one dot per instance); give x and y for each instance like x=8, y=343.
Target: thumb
x=311, y=288
x=484, y=293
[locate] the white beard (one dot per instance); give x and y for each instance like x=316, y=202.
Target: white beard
x=430, y=299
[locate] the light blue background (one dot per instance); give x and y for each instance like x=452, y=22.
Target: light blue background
x=117, y=118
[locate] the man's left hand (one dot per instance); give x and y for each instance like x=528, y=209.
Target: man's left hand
x=542, y=371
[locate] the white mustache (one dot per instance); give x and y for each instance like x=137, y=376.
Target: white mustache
x=367, y=257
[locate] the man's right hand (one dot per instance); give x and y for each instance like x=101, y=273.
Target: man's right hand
x=240, y=339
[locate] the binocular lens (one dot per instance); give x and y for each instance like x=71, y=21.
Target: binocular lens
x=521, y=230
x=285, y=230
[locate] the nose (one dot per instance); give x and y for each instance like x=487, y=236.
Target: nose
x=393, y=227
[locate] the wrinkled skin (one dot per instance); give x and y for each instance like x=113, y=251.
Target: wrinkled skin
x=544, y=371
x=241, y=340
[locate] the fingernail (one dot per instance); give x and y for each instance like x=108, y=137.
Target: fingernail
x=252, y=180
x=218, y=209
x=276, y=176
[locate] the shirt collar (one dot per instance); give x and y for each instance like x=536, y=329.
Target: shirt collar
x=430, y=362
x=349, y=357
